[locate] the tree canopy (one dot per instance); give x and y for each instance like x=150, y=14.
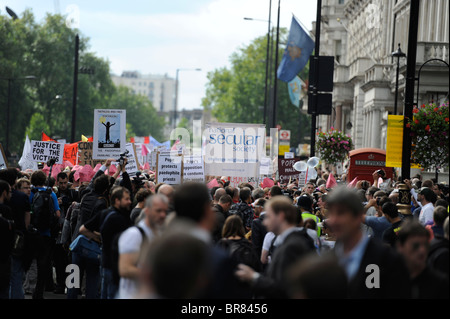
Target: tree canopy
x=236, y=94
x=46, y=51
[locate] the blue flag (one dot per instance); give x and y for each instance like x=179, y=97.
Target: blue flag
x=298, y=50
x=295, y=88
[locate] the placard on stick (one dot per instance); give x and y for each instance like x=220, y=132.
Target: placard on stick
x=169, y=168
x=3, y=160
x=43, y=151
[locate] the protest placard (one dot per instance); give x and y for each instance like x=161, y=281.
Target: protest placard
x=70, y=153
x=169, y=168
x=85, y=154
x=109, y=133
x=264, y=168
x=43, y=151
x=286, y=169
x=3, y=161
x=233, y=149
x=132, y=163
x=193, y=169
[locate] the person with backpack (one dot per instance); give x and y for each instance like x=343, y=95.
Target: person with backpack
x=281, y=219
x=92, y=204
x=112, y=223
x=243, y=208
x=45, y=213
x=234, y=242
x=130, y=245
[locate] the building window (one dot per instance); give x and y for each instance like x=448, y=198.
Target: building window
x=338, y=50
x=151, y=85
x=140, y=83
x=341, y=1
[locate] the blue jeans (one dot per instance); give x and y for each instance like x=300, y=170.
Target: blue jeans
x=16, y=280
x=92, y=277
x=109, y=288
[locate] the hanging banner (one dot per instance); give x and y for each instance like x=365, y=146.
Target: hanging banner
x=233, y=149
x=3, y=161
x=394, y=142
x=193, y=169
x=43, y=151
x=295, y=89
x=85, y=154
x=109, y=133
x=70, y=153
x=169, y=168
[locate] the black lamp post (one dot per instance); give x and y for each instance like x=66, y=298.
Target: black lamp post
x=8, y=106
x=397, y=54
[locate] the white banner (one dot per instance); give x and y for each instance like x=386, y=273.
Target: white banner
x=3, y=163
x=193, y=169
x=234, y=149
x=43, y=151
x=109, y=133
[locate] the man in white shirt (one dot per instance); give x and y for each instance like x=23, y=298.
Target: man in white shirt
x=130, y=243
x=427, y=198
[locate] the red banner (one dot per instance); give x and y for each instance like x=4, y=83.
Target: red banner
x=70, y=153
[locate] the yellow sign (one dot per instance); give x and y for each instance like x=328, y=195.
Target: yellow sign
x=394, y=143
x=283, y=149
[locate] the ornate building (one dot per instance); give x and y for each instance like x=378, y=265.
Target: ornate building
x=362, y=34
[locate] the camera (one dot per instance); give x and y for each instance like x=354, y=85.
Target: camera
x=51, y=162
x=381, y=173
x=122, y=158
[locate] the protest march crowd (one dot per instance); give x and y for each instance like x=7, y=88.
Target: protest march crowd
x=102, y=234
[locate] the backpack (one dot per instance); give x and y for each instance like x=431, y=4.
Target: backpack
x=301, y=234
x=86, y=210
x=115, y=248
x=241, y=252
x=44, y=214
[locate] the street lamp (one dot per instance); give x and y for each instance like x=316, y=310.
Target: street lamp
x=8, y=105
x=397, y=54
x=176, y=95
x=267, y=57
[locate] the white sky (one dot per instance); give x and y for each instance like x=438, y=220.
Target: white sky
x=159, y=36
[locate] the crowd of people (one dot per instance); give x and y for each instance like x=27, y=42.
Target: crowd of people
x=134, y=238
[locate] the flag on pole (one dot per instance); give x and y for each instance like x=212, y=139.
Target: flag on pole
x=24, y=162
x=86, y=139
x=298, y=50
x=331, y=182
x=46, y=138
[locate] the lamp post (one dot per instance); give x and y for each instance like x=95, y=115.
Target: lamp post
x=176, y=95
x=273, y=121
x=397, y=54
x=267, y=58
x=8, y=105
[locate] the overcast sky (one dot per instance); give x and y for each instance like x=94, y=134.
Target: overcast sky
x=159, y=36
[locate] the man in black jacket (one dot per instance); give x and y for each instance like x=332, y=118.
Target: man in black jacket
x=259, y=231
x=373, y=269
x=221, y=210
x=281, y=218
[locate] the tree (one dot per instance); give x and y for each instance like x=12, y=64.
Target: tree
x=237, y=94
x=46, y=50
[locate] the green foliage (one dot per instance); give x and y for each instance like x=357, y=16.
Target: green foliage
x=236, y=95
x=333, y=146
x=46, y=50
x=429, y=135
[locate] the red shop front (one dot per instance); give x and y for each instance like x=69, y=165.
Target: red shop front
x=364, y=161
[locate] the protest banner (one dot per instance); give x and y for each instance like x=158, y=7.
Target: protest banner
x=233, y=149
x=85, y=154
x=236, y=180
x=286, y=169
x=169, y=168
x=132, y=162
x=43, y=151
x=109, y=133
x=70, y=153
x=3, y=161
x=264, y=168
x=193, y=169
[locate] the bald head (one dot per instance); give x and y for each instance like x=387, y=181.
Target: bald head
x=219, y=193
x=166, y=190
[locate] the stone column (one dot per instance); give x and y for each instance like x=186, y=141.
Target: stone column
x=375, y=131
x=338, y=119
